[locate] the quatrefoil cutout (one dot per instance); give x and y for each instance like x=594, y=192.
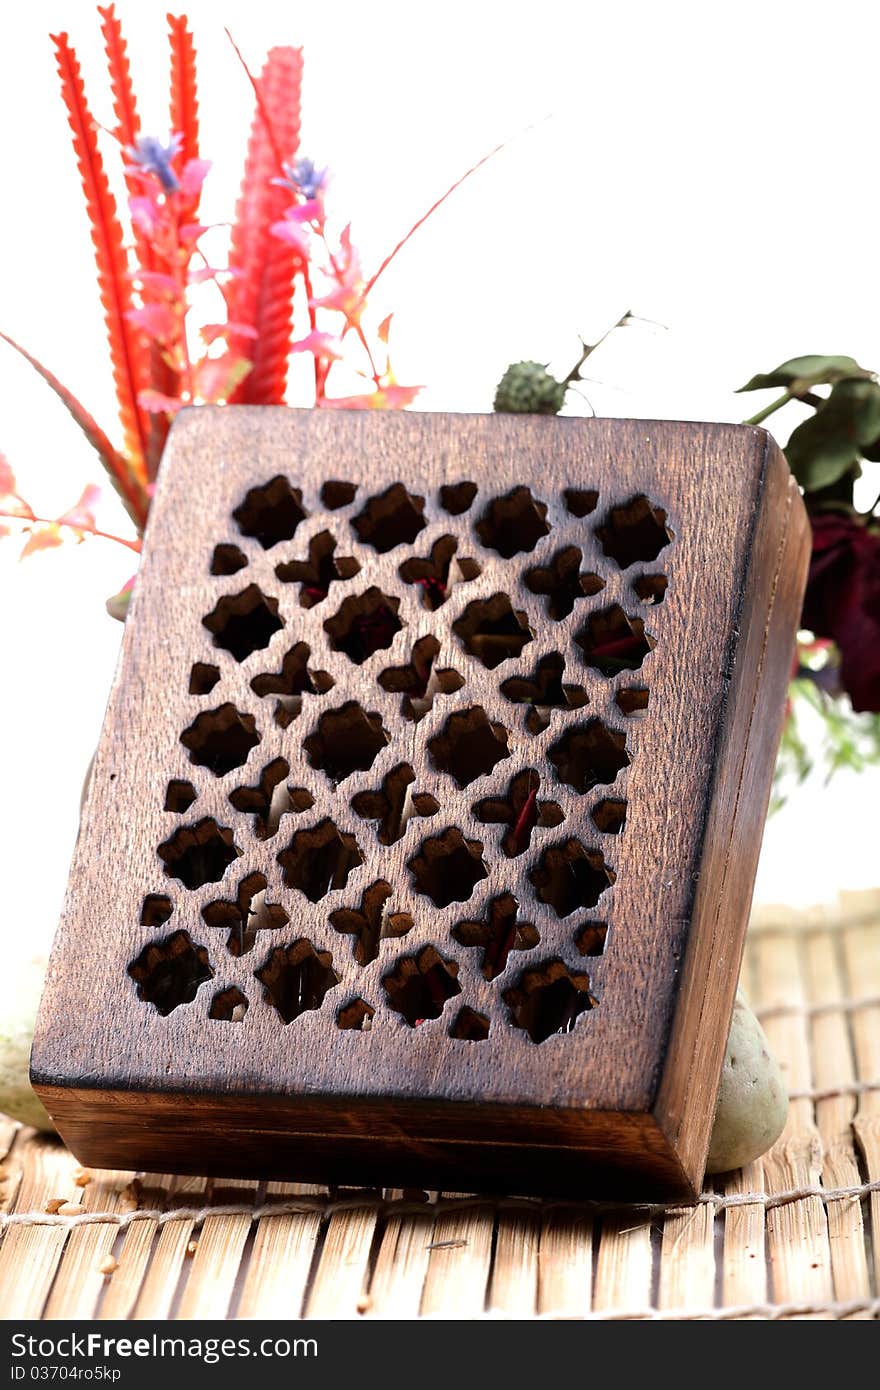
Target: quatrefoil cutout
x=245, y=915
x=394, y=804
x=322, y=569
x=520, y=810
x=372, y=922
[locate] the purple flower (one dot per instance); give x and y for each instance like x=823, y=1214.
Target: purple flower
x=155, y=158
x=305, y=178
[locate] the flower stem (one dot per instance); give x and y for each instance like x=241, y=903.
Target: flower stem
x=321, y=366
x=84, y=530
x=769, y=409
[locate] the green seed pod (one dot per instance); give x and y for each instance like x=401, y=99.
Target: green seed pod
x=527, y=388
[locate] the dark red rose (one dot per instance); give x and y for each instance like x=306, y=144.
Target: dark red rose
x=843, y=601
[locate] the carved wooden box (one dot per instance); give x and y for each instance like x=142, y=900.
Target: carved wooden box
x=422, y=831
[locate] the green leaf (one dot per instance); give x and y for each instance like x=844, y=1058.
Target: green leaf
x=830, y=443
x=838, y=494
x=803, y=372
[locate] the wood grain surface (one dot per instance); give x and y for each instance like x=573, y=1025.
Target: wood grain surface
x=626, y=1087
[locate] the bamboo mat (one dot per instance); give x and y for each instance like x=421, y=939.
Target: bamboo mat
x=789, y=1236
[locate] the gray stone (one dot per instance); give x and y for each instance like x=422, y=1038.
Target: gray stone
x=23, y=983
x=752, y=1100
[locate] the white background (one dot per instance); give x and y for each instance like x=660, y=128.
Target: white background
x=711, y=168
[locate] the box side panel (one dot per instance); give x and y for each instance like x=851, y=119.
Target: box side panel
x=761, y=656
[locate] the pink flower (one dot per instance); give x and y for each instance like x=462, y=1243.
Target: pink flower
x=294, y=234
x=156, y=320
x=193, y=176
x=81, y=516
x=321, y=344
x=347, y=294
x=392, y=397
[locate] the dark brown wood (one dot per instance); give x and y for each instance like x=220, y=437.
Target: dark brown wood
x=421, y=836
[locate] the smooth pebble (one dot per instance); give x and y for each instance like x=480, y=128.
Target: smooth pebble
x=20, y=988
x=752, y=1099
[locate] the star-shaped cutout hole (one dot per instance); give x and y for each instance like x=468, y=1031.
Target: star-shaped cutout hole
x=589, y=755
x=394, y=804
x=499, y=933
x=346, y=740
x=394, y=517
x=570, y=876
x=514, y=523
x=156, y=909
x=371, y=923
x=248, y=914
x=612, y=641
x=271, y=513
x=448, y=867
x=244, y=623
x=469, y=1026
x=198, y=854
x=635, y=531
x=220, y=739
x=297, y=978
x=544, y=690
x=470, y=745
x=562, y=582
x=168, y=973
x=319, y=859
x=357, y=1015
x=229, y=1005
x=437, y=573
x=492, y=631
x=520, y=810
x=549, y=999
x=364, y=624
x=420, y=985
x=420, y=681
x=323, y=568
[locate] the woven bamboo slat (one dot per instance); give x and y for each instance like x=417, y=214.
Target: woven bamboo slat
x=687, y=1259
x=833, y=1064
x=401, y=1265
x=30, y=1254
x=284, y=1248
x=514, y=1283
x=624, y=1265
x=795, y=1235
x=341, y=1275
x=217, y=1255
x=80, y=1276
x=565, y=1270
x=163, y=1275
x=135, y=1247
x=460, y=1262
x=862, y=965
x=744, y=1260
x=797, y=1232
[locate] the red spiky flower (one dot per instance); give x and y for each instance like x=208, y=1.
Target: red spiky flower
x=153, y=276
